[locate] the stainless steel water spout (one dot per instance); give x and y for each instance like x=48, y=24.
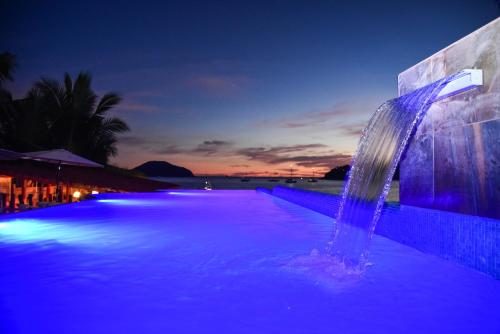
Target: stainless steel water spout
x=464, y=80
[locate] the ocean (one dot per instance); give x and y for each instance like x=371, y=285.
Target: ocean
x=235, y=183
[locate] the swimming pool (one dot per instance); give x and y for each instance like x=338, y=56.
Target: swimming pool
x=219, y=262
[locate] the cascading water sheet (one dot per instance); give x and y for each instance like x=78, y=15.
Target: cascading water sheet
x=379, y=151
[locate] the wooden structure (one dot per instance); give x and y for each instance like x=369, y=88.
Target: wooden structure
x=25, y=182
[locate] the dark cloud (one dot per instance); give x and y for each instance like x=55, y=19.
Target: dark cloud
x=216, y=143
x=269, y=155
x=211, y=147
x=170, y=149
x=300, y=155
x=354, y=130
x=315, y=161
x=319, y=161
x=158, y=146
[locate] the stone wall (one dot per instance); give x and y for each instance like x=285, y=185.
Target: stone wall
x=453, y=161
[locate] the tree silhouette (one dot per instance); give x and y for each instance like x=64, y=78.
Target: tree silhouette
x=57, y=114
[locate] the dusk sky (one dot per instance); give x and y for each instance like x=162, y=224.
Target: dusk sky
x=236, y=87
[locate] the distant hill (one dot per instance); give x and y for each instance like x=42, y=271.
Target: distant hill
x=163, y=169
x=340, y=173
x=337, y=173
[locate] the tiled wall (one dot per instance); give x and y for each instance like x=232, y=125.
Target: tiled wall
x=453, y=161
x=469, y=240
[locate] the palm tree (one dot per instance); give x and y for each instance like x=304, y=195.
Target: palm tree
x=70, y=116
x=59, y=115
x=7, y=110
x=7, y=66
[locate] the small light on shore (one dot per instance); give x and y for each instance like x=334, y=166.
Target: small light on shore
x=76, y=194
x=95, y=192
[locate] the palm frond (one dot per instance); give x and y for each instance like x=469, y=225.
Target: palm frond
x=52, y=90
x=115, y=125
x=83, y=81
x=7, y=66
x=108, y=101
x=84, y=98
x=68, y=84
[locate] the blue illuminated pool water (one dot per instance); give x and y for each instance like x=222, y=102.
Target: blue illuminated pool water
x=219, y=262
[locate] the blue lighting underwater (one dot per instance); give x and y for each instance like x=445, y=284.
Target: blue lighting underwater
x=220, y=262
x=39, y=230
x=185, y=193
x=121, y=201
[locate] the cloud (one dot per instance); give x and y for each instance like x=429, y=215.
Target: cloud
x=158, y=146
x=313, y=155
x=217, y=85
x=211, y=147
x=170, y=149
x=270, y=155
x=318, y=161
x=300, y=155
x=239, y=166
x=314, y=117
x=354, y=129
x=137, y=106
x=255, y=173
x=216, y=143
x=344, y=119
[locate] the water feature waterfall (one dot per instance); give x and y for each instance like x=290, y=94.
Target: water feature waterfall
x=379, y=151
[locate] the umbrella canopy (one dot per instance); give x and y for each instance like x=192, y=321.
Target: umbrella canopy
x=61, y=157
x=9, y=155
